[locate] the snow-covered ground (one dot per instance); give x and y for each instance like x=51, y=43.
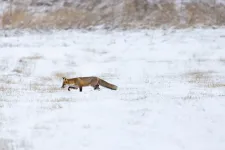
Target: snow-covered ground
x=171, y=90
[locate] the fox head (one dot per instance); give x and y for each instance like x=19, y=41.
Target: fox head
x=65, y=81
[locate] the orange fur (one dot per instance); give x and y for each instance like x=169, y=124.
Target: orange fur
x=80, y=82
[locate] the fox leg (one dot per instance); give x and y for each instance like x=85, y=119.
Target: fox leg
x=80, y=88
x=72, y=87
x=95, y=85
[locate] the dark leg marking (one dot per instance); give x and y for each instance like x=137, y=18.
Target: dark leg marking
x=96, y=87
x=80, y=89
x=71, y=87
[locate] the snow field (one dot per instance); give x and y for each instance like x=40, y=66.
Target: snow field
x=170, y=90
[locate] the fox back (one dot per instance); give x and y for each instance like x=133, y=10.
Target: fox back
x=79, y=81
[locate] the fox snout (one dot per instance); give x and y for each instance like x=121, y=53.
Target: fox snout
x=63, y=86
x=64, y=82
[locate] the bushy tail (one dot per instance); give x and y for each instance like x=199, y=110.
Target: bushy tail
x=107, y=85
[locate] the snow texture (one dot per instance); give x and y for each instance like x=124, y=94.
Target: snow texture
x=170, y=95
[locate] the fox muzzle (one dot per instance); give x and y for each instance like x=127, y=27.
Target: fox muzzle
x=63, y=86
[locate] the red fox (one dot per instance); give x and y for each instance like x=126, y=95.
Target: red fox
x=79, y=82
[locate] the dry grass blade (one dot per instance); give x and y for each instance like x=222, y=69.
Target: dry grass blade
x=18, y=18
x=204, y=79
x=34, y=57
x=127, y=14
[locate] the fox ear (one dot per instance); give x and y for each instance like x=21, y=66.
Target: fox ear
x=64, y=78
